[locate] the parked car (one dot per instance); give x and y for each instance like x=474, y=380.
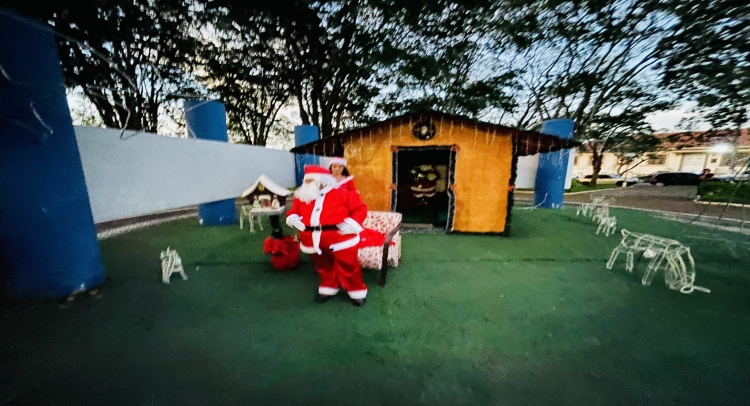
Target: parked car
x=609, y=179
x=675, y=178
x=647, y=178
x=744, y=176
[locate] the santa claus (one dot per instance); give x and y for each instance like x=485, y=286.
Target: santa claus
x=329, y=221
x=424, y=184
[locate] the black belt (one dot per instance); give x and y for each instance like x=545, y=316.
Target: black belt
x=322, y=228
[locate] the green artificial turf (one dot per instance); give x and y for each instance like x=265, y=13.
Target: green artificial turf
x=579, y=187
x=464, y=320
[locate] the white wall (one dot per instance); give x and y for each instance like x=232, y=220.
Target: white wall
x=526, y=171
x=147, y=173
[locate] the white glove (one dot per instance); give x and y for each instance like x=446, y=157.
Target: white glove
x=349, y=227
x=295, y=221
x=346, y=228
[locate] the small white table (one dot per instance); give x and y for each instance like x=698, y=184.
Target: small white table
x=254, y=215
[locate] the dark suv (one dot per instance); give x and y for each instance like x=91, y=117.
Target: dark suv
x=675, y=178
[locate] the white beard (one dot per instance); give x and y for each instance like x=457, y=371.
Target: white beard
x=307, y=192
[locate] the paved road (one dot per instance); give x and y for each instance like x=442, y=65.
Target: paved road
x=670, y=198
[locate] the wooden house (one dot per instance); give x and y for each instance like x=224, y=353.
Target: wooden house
x=439, y=170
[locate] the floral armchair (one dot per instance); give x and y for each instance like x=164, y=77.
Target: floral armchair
x=389, y=254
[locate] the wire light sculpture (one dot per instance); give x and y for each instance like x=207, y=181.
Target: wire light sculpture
x=607, y=224
x=665, y=254
x=597, y=208
x=171, y=263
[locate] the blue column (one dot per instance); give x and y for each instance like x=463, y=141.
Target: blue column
x=207, y=120
x=549, y=187
x=304, y=134
x=48, y=244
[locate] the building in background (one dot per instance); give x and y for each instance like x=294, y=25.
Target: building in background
x=683, y=152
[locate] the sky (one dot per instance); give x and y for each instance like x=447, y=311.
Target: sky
x=670, y=119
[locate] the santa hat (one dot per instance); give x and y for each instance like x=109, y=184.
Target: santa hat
x=338, y=160
x=316, y=172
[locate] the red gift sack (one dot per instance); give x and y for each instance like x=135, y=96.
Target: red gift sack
x=284, y=252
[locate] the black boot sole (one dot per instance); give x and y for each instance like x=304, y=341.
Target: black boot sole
x=359, y=304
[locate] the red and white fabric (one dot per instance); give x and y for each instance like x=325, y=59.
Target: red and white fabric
x=423, y=189
x=347, y=184
x=337, y=160
x=384, y=222
x=333, y=252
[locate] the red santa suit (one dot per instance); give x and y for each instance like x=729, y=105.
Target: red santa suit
x=425, y=184
x=330, y=226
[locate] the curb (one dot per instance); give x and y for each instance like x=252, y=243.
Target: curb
x=722, y=204
x=583, y=192
x=113, y=232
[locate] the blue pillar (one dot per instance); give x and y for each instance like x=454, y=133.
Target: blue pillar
x=549, y=187
x=207, y=120
x=304, y=134
x=48, y=244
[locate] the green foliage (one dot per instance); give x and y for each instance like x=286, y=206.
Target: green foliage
x=727, y=192
x=709, y=57
x=237, y=68
x=443, y=60
x=577, y=186
x=595, y=62
x=127, y=57
x=606, y=64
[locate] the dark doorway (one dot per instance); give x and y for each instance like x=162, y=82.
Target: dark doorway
x=423, y=177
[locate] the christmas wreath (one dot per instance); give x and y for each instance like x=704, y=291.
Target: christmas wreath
x=424, y=130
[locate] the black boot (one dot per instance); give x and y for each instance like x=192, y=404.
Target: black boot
x=323, y=298
x=359, y=302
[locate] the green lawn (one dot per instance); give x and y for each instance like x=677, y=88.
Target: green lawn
x=465, y=320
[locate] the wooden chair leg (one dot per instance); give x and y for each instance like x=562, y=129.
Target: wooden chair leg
x=384, y=265
x=383, y=276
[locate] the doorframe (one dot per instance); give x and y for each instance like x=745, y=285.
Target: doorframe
x=451, y=173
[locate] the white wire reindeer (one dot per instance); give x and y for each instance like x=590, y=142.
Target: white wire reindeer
x=597, y=205
x=607, y=224
x=171, y=263
x=600, y=213
x=665, y=254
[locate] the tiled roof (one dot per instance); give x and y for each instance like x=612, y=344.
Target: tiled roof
x=696, y=139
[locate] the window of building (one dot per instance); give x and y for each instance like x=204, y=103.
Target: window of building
x=733, y=160
x=713, y=160
x=659, y=160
